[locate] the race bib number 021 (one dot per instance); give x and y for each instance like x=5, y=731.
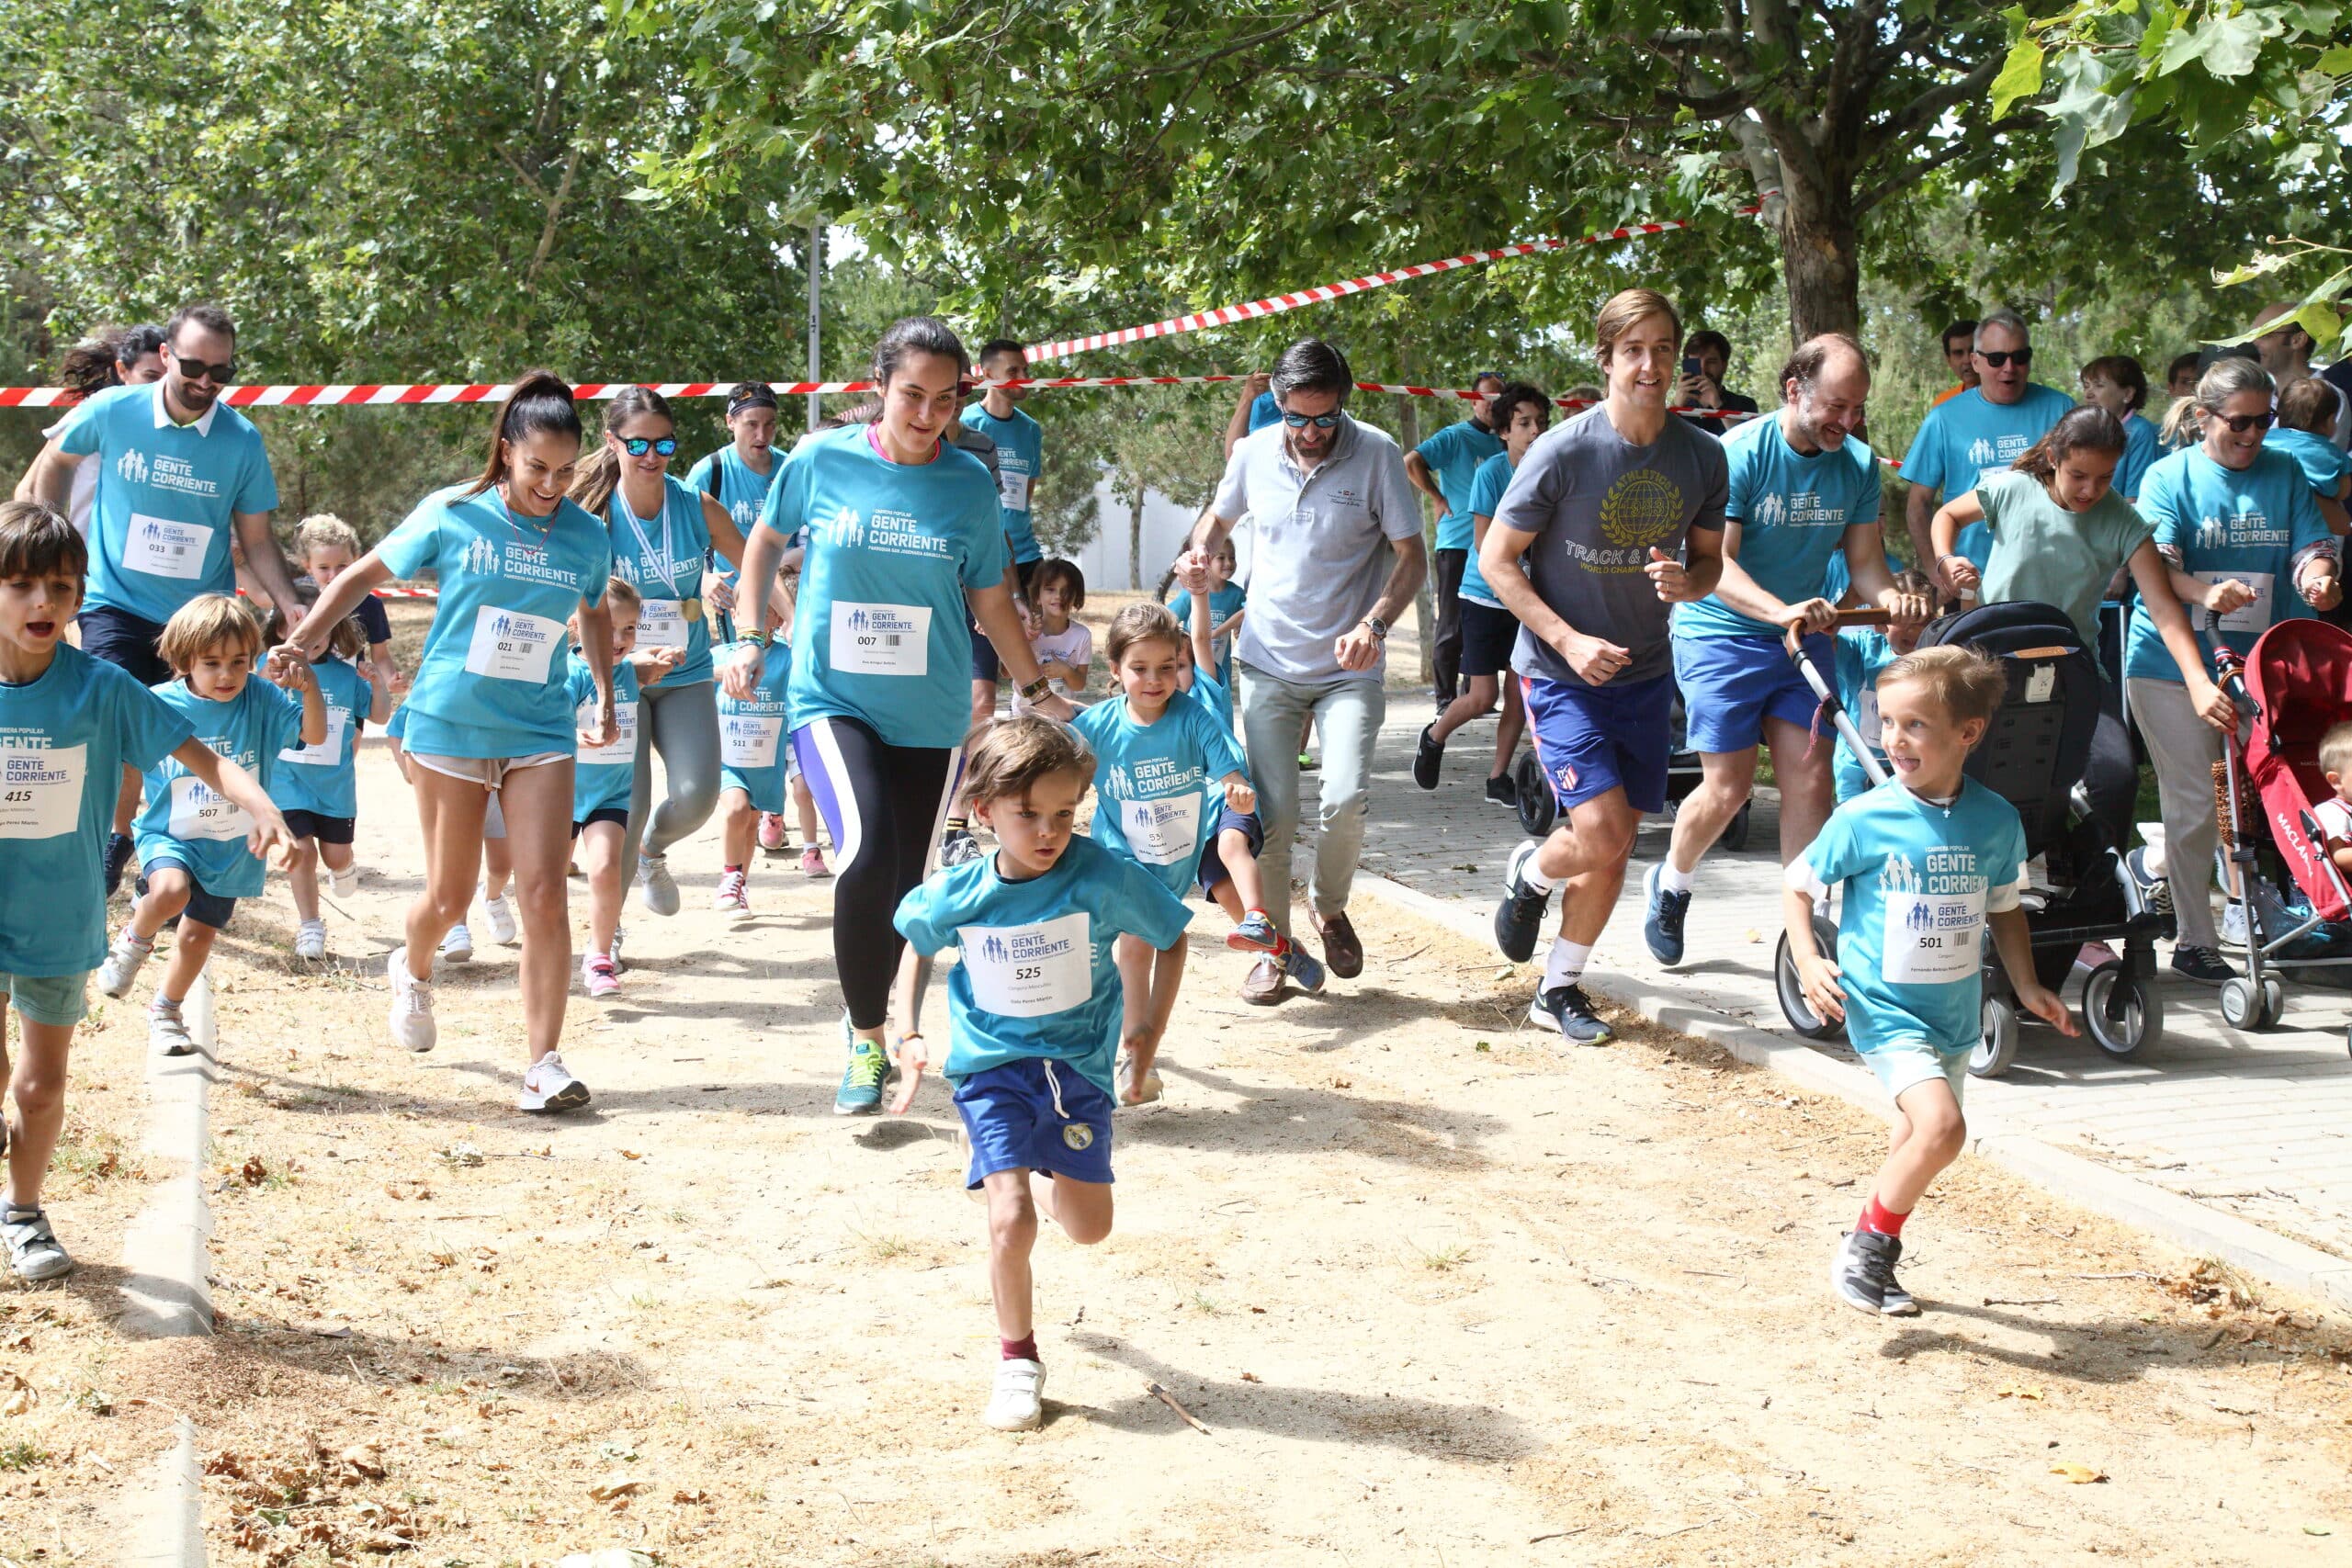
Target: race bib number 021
x=511, y=646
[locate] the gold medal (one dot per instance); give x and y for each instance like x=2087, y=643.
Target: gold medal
x=690, y=610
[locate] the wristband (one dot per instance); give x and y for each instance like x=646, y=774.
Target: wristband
x=1038, y=691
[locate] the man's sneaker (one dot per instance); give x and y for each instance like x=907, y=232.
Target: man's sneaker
x=812, y=862
x=657, y=888
x=861, y=1090
x=2233, y=925
x=958, y=847
x=772, y=832
x=411, y=1010
x=596, y=973
x=730, y=899
x=2201, y=965
x=549, y=1086
x=457, y=947
x=2155, y=892
x=1303, y=967
x=168, y=1032
x=1501, y=790
x=1017, y=1402
x=1862, y=1273
x=119, y=851
x=123, y=962
x=311, y=940
x=345, y=882
x=1428, y=758
x=1519, y=918
x=503, y=929
x=1662, y=929
x=1256, y=933
x=1569, y=1010
x=33, y=1250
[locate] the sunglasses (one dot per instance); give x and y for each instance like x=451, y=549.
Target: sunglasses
x=1319, y=421
x=2240, y=423
x=639, y=446
x=219, y=375
x=1998, y=357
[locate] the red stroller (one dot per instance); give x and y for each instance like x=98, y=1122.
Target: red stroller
x=2298, y=681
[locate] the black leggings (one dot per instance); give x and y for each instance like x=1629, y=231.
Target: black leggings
x=2111, y=776
x=882, y=805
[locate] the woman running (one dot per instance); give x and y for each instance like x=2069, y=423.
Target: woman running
x=737, y=476
x=904, y=538
x=490, y=713
x=662, y=531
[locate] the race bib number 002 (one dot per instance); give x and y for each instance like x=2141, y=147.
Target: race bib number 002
x=1933, y=938
x=1030, y=971
x=40, y=791
x=881, y=640
x=511, y=646
x=661, y=623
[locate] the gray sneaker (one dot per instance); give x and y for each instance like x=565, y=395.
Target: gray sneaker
x=34, y=1252
x=657, y=888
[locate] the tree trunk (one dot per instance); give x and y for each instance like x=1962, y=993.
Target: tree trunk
x=1134, y=539
x=1820, y=255
x=1408, y=436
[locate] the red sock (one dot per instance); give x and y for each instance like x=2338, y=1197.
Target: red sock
x=1877, y=1216
x=1019, y=1350
x=724, y=867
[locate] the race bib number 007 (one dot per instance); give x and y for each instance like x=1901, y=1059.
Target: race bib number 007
x=1030, y=971
x=40, y=791
x=881, y=640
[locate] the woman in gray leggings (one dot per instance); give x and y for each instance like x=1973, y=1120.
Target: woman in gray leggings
x=663, y=530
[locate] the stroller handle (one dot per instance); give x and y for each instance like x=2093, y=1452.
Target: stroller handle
x=1794, y=639
x=1826, y=694
x=2229, y=674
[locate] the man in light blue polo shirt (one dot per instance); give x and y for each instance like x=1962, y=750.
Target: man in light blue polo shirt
x=1981, y=430
x=1339, y=555
x=1442, y=468
x=185, y=478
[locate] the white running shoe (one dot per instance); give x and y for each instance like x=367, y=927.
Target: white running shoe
x=123, y=960
x=730, y=899
x=503, y=929
x=457, y=947
x=657, y=887
x=411, y=1011
x=549, y=1086
x=1017, y=1403
x=345, y=882
x=168, y=1032
x=311, y=941
x=34, y=1252
x=620, y=935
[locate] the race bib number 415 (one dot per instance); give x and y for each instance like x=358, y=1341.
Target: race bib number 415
x=40, y=791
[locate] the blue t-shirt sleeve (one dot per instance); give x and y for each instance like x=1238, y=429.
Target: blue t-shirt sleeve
x=1487, y=486
x=986, y=557
x=1437, y=450
x=257, y=486
x=1217, y=741
x=788, y=504
x=84, y=427
x=152, y=729
x=1182, y=608
x=599, y=573
x=1923, y=463
x=416, y=543
x=1835, y=853
x=1866, y=488
x=1141, y=904
x=920, y=921
x=2159, y=507
x=282, y=720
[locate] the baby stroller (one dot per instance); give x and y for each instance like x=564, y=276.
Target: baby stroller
x=2298, y=684
x=1538, y=808
x=2033, y=756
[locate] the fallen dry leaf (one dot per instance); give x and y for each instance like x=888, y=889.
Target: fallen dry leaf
x=2019, y=1391
x=254, y=1173
x=632, y=1154
x=615, y=1486
x=2077, y=1474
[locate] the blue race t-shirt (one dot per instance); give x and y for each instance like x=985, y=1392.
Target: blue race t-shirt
x=1154, y=784
x=2142, y=446
x=65, y=736
x=1965, y=437
x=491, y=682
x=323, y=779
x=1039, y=975
x=184, y=820
x=1861, y=653
x=1223, y=605
x=1264, y=411
x=1453, y=456
x=881, y=633
x=167, y=497
x=1792, y=512
x=1486, y=487
x=662, y=558
x=2323, y=462
x=755, y=735
x=742, y=489
x=1212, y=695
x=2253, y=524
x=602, y=775
x=1020, y=449
x=1919, y=879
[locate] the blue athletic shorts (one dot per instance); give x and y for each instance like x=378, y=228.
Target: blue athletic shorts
x=1732, y=684
x=1212, y=868
x=1591, y=739
x=128, y=641
x=1035, y=1115
x=56, y=1000
x=204, y=908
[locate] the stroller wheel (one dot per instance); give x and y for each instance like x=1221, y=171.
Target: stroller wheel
x=1794, y=1005
x=2123, y=1010
x=2245, y=1007
x=2000, y=1047
x=2274, y=1000
x=1537, y=805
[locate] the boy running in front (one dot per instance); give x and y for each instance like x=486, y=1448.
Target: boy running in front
x=1926, y=861
x=1037, y=1011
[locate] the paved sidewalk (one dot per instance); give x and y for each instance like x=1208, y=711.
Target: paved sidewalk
x=2258, y=1125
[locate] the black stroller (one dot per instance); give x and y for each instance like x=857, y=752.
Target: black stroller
x=2078, y=891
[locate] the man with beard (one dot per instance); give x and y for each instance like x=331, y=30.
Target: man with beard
x=1981, y=432
x=184, y=478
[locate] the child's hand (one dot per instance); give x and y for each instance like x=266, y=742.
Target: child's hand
x=1241, y=796
x=913, y=1056
x=1137, y=1083
x=1819, y=975
x=398, y=683
x=1961, y=574
x=1194, y=573
x=2048, y=1006
x=269, y=833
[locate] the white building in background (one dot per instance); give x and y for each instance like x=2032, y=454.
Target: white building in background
x=1165, y=526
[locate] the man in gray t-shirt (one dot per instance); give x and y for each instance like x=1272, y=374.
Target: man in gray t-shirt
x=1620, y=513
x=1337, y=554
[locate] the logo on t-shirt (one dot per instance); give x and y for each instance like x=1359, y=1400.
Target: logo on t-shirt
x=1979, y=451
x=132, y=466
x=1770, y=512
x=1642, y=509
x=844, y=527
x=2251, y=528
x=1898, y=875
x=992, y=948
x=481, y=557
x=1116, y=782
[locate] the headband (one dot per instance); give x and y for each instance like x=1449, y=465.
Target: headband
x=758, y=397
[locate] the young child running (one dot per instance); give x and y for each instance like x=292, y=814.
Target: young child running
x=69, y=724
x=1227, y=604
x=753, y=761
x=195, y=855
x=602, y=777
x=325, y=548
x=317, y=786
x=1065, y=648
x=1861, y=653
x=1925, y=861
x=1160, y=756
x=1036, y=1008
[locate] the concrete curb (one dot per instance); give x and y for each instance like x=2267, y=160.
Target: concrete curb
x=164, y=1294
x=2192, y=1226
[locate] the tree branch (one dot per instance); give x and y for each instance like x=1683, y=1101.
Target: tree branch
x=1927, y=107
x=1903, y=179
x=547, y=228
x=1241, y=46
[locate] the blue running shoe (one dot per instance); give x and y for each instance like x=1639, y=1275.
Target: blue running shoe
x=1256, y=933
x=1304, y=968
x=1569, y=1010
x=1662, y=929
x=862, y=1079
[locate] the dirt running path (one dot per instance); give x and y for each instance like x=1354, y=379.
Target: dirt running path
x=1439, y=1292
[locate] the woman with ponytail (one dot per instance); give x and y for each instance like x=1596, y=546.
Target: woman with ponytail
x=490, y=713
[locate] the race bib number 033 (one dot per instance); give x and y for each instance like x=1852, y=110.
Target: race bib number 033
x=1030, y=971
x=161, y=548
